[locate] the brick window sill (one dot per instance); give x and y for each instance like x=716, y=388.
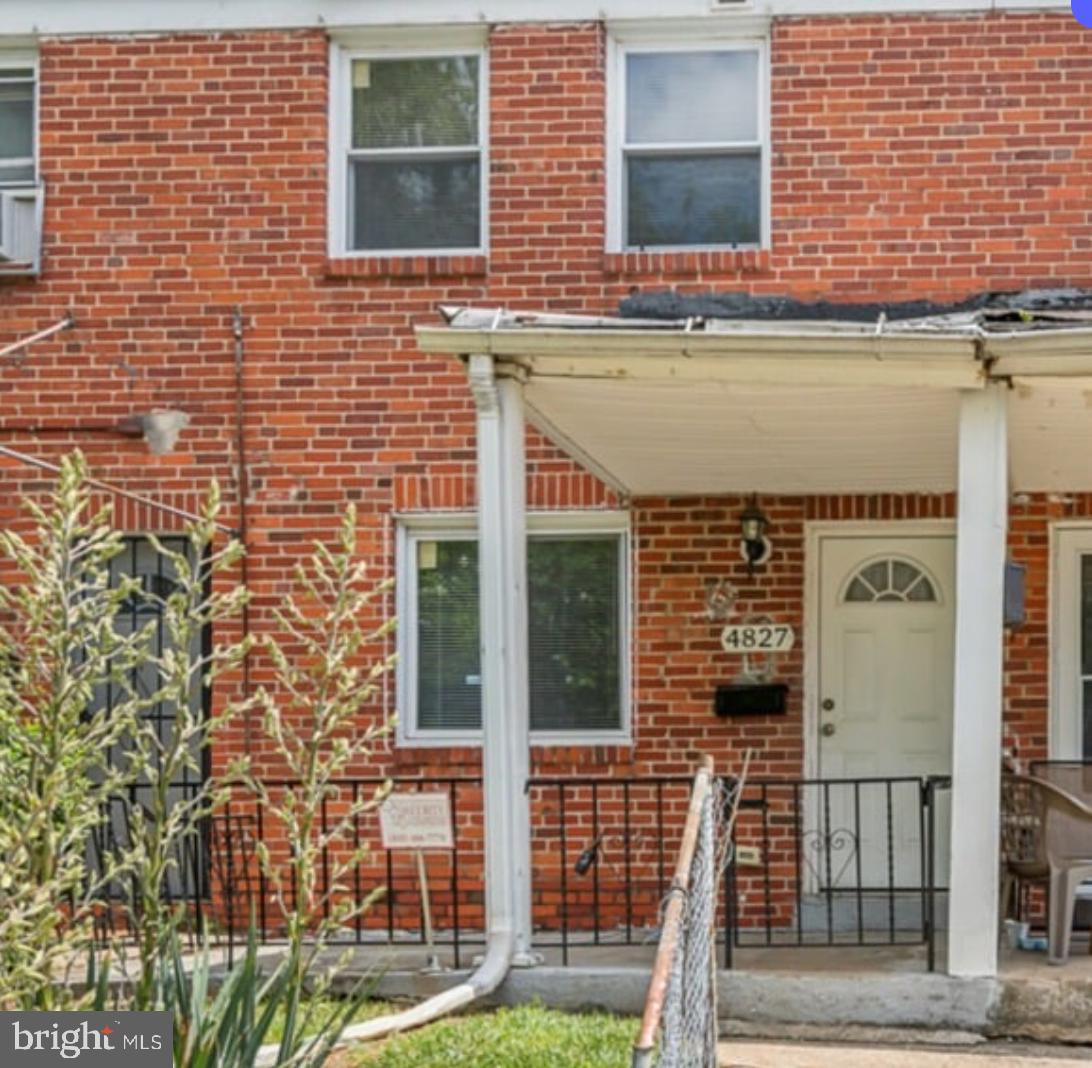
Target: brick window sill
x=406, y=266
x=716, y=261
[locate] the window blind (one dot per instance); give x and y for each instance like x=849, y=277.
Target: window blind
x=574, y=634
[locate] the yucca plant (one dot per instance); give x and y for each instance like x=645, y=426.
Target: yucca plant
x=230, y=1019
x=59, y=649
x=321, y=719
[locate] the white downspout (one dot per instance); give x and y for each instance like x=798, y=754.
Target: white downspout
x=502, y=567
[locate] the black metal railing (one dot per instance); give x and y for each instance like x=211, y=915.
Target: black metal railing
x=848, y=862
x=845, y=862
x=602, y=852
x=222, y=888
x=836, y=862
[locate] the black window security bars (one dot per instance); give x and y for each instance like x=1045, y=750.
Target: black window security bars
x=188, y=878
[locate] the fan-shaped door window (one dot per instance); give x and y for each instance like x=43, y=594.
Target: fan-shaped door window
x=891, y=579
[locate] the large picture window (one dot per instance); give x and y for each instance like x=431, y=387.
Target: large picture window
x=690, y=146
x=577, y=597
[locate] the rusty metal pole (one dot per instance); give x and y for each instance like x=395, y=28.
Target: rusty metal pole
x=673, y=914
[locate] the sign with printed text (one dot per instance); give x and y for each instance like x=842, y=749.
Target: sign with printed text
x=416, y=821
x=757, y=638
x=87, y=1039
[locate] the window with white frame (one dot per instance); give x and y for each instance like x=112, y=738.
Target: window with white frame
x=1071, y=643
x=18, y=86
x=412, y=155
x=577, y=641
x=689, y=159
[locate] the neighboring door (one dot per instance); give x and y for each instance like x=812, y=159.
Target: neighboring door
x=139, y=559
x=886, y=661
x=1071, y=645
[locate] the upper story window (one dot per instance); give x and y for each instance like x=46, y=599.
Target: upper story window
x=690, y=146
x=412, y=155
x=18, y=83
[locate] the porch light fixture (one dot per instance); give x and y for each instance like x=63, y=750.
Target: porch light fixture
x=755, y=547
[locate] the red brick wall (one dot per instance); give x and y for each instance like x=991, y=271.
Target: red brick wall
x=911, y=157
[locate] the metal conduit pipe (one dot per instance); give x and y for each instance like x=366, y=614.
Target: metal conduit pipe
x=242, y=489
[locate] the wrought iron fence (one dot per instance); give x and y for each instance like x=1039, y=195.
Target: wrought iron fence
x=838, y=862
x=849, y=862
x=222, y=888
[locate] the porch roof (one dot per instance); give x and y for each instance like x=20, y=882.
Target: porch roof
x=694, y=405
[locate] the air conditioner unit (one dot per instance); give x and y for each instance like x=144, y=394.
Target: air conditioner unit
x=21, y=230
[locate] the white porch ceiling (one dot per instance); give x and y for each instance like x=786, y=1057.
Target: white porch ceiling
x=656, y=438
x=1050, y=435
x=657, y=408
x=712, y=437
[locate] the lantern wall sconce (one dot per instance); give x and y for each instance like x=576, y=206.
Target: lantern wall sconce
x=754, y=547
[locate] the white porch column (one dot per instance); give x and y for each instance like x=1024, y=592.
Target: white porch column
x=976, y=741
x=502, y=556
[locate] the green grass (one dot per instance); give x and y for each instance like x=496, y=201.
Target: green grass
x=526, y=1037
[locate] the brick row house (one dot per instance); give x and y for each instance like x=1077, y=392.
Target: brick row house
x=735, y=353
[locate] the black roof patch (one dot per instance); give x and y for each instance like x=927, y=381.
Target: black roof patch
x=1017, y=306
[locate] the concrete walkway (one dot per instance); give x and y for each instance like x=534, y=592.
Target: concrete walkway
x=739, y=1054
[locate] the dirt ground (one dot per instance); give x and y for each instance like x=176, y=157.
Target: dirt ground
x=739, y=1053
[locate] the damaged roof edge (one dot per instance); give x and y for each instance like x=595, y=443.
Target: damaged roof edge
x=1023, y=306
x=668, y=310
x=965, y=349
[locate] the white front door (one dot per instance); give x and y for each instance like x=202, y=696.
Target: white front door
x=1071, y=645
x=886, y=637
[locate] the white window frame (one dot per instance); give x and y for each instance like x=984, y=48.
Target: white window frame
x=462, y=526
x=457, y=42
x=18, y=60
x=1069, y=541
x=625, y=43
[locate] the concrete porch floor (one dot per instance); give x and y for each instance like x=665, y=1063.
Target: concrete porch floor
x=818, y=992
x=795, y=960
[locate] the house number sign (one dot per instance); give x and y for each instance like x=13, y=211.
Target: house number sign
x=757, y=638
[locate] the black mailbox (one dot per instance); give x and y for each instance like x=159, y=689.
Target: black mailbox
x=751, y=699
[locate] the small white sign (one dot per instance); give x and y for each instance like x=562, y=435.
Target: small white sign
x=416, y=821
x=757, y=638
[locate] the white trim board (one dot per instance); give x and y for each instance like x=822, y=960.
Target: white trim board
x=34, y=18
x=1069, y=540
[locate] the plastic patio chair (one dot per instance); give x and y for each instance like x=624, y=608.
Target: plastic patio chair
x=1046, y=836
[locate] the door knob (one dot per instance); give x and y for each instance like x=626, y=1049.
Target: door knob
x=827, y=729
x=828, y=704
